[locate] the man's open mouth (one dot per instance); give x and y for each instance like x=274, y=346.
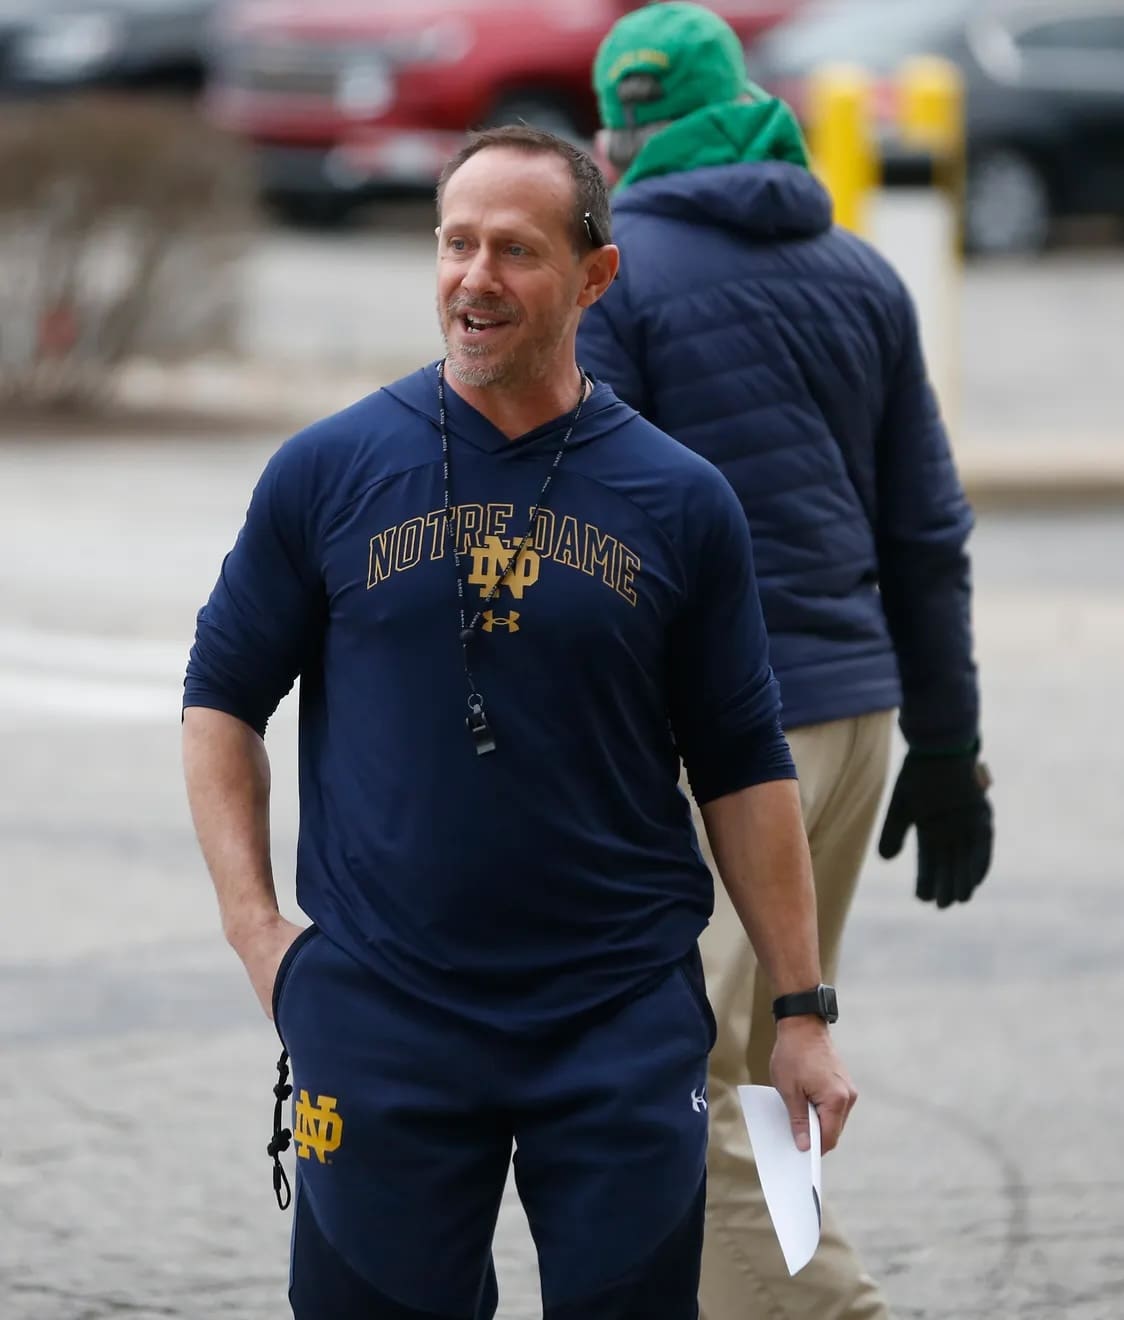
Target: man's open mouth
x=476, y=325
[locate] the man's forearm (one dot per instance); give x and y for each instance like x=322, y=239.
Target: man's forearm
x=759, y=844
x=227, y=772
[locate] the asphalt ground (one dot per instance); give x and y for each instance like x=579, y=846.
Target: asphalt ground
x=982, y=1174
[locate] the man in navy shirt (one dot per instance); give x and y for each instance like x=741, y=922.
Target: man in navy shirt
x=513, y=606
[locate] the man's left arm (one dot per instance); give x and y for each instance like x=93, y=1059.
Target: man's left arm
x=757, y=837
x=725, y=712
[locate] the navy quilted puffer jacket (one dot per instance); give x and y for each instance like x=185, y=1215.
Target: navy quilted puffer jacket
x=786, y=351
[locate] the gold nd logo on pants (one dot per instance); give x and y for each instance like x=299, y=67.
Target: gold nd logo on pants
x=317, y=1128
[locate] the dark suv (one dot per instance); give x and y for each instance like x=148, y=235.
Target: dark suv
x=64, y=45
x=1045, y=96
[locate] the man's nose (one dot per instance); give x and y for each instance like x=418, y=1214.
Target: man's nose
x=482, y=272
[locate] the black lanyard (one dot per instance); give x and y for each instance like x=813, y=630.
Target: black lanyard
x=477, y=721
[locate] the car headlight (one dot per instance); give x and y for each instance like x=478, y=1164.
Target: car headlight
x=66, y=45
x=365, y=87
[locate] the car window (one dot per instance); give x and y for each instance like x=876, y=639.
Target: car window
x=877, y=34
x=1088, y=32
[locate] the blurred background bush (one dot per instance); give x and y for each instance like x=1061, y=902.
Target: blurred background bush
x=121, y=224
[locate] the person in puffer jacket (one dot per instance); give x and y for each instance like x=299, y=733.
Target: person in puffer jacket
x=786, y=351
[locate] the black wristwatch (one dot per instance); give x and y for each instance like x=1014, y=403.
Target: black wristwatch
x=819, y=1002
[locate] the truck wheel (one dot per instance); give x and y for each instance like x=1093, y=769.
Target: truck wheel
x=310, y=210
x=549, y=113
x=1007, y=206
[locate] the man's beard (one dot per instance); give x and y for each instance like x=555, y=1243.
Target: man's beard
x=478, y=374
x=473, y=364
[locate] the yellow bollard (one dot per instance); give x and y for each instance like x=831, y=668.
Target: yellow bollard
x=931, y=106
x=931, y=119
x=841, y=140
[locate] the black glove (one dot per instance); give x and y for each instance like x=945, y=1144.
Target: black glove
x=945, y=797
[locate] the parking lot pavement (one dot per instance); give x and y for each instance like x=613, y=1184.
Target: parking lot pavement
x=1027, y=355
x=1036, y=341
x=982, y=1174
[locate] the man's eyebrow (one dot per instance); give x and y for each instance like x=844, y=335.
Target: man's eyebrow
x=524, y=231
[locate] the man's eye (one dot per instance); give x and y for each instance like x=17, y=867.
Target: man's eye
x=517, y=249
x=457, y=245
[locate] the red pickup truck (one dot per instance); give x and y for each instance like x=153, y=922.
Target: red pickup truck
x=346, y=99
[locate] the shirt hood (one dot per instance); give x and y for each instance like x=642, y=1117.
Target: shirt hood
x=764, y=199
x=601, y=413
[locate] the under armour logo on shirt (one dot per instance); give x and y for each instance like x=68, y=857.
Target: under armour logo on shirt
x=698, y=1101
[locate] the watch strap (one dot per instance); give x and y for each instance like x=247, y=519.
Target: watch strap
x=819, y=1002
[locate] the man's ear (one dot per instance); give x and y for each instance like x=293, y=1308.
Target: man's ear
x=601, y=268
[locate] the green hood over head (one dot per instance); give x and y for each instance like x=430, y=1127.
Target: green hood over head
x=724, y=134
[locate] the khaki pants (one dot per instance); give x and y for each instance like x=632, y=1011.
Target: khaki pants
x=842, y=767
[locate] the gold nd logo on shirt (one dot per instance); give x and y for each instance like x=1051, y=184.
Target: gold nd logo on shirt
x=318, y=1128
x=484, y=535
x=488, y=563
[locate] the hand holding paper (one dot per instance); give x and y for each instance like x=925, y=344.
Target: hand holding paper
x=790, y=1178
x=805, y=1066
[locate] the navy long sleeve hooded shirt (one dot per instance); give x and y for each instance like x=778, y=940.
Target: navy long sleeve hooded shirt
x=560, y=873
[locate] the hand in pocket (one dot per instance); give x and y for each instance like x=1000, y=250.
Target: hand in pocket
x=262, y=952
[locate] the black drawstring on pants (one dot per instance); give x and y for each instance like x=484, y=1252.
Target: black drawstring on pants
x=282, y=1136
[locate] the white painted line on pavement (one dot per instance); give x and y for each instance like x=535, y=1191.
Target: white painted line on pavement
x=75, y=676
x=96, y=679
x=51, y=694
x=84, y=654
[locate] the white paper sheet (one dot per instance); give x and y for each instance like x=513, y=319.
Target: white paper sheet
x=790, y=1178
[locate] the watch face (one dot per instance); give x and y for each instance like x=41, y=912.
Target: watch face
x=829, y=1005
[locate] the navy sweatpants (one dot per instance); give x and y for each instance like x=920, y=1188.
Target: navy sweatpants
x=403, y=1124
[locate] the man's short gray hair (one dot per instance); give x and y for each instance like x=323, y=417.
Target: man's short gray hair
x=591, y=191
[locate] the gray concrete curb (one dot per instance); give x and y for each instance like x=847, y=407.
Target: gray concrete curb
x=212, y=398
x=1012, y=476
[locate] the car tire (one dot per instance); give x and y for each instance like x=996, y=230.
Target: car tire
x=311, y=210
x=549, y=113
x=1007, y=204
